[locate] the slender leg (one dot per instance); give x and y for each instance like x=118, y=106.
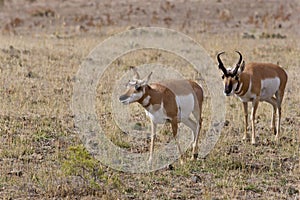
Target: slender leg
x=197, y=114
x=279, y=97
x=254, y=108
x=153, y=131
x=196, y=129
x=278, y=124
x=278, y=120
x=174, y=125
x=273, y=102
x=195, y=144
x=245, y=106
x=192, y=125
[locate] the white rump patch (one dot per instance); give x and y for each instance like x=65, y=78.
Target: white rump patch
x=185, y=105
x=269, y=87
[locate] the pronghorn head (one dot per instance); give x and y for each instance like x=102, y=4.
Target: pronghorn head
x=231, y=76
x=135, y=88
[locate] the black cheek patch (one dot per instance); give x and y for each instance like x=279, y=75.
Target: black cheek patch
x=137, y=87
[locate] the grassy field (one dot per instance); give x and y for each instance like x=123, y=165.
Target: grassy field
x=42, y=157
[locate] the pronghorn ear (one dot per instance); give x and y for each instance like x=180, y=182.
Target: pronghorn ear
x=146, y=79
x=242, y=67
x=136, y=74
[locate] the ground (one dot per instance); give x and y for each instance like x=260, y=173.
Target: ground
x=42, y=46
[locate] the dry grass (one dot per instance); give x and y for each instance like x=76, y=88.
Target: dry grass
x=37, y=132
x=41, y=155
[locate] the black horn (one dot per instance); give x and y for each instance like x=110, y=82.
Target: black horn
x=221, y=66
x=238, y=64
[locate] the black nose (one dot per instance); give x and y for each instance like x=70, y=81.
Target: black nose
x=227, y=92
x=228, y=89
x=123, y=98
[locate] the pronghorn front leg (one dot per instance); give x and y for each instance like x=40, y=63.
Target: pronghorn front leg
x=253, y=112
x=153, y=132
x=245, y=106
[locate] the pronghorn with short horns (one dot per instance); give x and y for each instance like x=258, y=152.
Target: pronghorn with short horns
x=168, y=101
x=255, y=82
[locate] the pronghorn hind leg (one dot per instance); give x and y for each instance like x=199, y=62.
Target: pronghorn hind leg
x=198, y=117
x=278, y=124
x=196, y=129
x=153, y=132
x=279, y=97
x=174, y=125
x=255, y=103
x=245, y=107
x=195, y=144
x=273, y=102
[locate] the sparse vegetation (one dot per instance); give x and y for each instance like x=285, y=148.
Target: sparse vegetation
x=80, y=163
x=41, y=155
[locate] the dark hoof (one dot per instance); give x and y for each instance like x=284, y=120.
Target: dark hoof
x=195, y=156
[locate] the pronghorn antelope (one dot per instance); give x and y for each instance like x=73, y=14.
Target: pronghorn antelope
x=170, y=101
x=255, y=82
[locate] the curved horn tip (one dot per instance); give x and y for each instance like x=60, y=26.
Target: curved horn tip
x=218, y=57
x=240, y=59
x=221, y=53
x=238, y=53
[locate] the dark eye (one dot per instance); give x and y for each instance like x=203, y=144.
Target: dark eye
x=137, y=87
x=223, y=76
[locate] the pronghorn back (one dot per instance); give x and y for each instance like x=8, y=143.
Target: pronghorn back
x=266, y=70
x=176, y=94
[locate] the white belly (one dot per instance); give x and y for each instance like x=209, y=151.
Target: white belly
x=185, y=106
x=269, y=87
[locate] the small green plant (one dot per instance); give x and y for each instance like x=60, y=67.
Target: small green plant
x=80, y=163
x=253, y=188
x=40, y=135
x=119, y=141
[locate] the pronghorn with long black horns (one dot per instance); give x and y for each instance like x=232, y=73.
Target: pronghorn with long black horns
x=255, y=82
x=171, y=101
